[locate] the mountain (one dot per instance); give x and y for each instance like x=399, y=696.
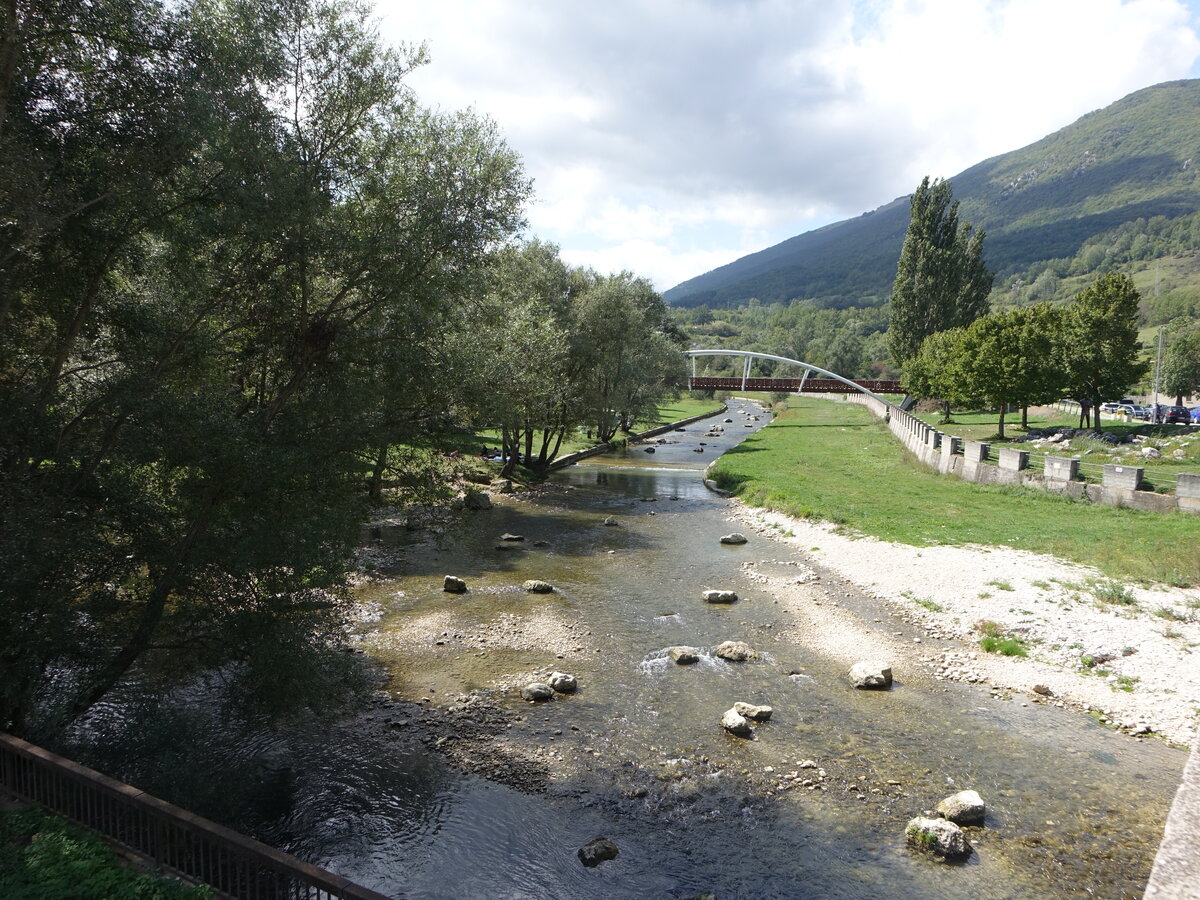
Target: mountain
x=1134, y=160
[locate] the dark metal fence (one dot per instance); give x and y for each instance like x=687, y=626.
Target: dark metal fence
x=175, y=839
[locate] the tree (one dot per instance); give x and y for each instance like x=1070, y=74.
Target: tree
x=1099, y=347
x=1181, y=366
x=250, y=238
x=625, y=351
x=941, y=279
x=1007, y=358
x=936, y=370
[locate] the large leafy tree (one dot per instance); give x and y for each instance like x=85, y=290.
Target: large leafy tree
x=230, y=237
x=1181, y=366
x=1099, y=349
x=941, y=278
x=1007, y=359
x=625, y=351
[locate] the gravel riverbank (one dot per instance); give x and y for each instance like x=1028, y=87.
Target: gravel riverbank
x=1127, y=653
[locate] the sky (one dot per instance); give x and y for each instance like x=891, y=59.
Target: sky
x=669, y=137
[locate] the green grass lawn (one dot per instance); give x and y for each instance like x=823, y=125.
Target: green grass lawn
x=837, y=462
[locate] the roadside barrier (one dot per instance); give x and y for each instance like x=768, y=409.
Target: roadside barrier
x=1120, y=485
x=178, y=841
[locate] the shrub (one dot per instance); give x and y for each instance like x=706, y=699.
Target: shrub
x=42, y=858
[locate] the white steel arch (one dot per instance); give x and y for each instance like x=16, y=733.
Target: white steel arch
x=750, y=355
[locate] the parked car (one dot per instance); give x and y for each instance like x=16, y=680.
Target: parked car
x=1109, y=407
x=1177, y=415
x=1133, y=410
x=1196, y=415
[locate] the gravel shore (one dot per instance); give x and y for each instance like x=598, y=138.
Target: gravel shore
x=1129, y=654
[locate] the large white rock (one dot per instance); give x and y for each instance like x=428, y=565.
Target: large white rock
x=735, y=723
x=750, y=711
x=871, y=674
x=940, y=837
x=454, y=585
x=563, y=683
x=963, y=808
x=735, y=651
x=735, y=538
x=685, y=656
x=721, y=596
x=534, y=586
x=537, y=691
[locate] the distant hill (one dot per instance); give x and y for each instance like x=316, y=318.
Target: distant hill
x=1134, y=160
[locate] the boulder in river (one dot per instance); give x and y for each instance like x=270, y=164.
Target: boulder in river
x=454, y=585
x=871, y=675
x=537, y=691
x=597, y=851
x=648, y=450
x=477, y=500
x=735, y=723
x=563, y=683
x=735, y=651
x=750, y=711
x=940, y=837
x=720, y=596
x=727, y=421
x=685, y=656
x=610, y=521
x=507, y=536
x=534, y=586
x=963, y=808
x=735, y=538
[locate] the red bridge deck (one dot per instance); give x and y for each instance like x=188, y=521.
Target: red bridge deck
x=811, y=385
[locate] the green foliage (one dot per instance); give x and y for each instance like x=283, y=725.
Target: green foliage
x=232, y=237
x=1181, y=365
x=1099, y=347
x=995, y=640
x=941, y=279
x=1112, y=592
x=44, y=858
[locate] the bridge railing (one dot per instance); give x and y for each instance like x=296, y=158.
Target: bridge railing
x=810, y=385
x=175, y=839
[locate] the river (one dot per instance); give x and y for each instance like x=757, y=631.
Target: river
x=461, y=789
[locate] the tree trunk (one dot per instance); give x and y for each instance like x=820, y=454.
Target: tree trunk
x=1025, y=417
x=1003, y=409
x=375, y=489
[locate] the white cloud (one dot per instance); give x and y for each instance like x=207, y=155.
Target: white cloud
x=671, y=136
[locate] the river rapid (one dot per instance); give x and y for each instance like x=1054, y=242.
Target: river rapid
x=451, y=786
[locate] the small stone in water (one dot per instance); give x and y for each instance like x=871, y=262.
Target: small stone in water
x=597, y=851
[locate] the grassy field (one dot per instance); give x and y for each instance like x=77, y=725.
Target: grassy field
x=837, y=462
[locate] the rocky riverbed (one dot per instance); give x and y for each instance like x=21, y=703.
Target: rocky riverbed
x=1126, y=653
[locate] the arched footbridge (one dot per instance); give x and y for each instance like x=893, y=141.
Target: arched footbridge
x=824, y=380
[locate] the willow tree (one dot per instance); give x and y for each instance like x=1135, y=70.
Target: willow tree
x=230, y=233
x=941, y=279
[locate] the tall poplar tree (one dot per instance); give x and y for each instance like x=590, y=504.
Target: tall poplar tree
x=941, y=279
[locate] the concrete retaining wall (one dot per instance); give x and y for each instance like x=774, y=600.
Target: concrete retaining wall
x=971, y=461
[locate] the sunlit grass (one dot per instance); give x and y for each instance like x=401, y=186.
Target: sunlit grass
x=838, y=463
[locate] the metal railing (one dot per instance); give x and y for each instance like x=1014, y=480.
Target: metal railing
x=175, y=839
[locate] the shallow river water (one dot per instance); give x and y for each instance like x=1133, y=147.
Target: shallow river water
x=638, y=756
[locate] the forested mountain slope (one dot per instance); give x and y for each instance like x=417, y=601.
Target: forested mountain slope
x=1098, y=182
